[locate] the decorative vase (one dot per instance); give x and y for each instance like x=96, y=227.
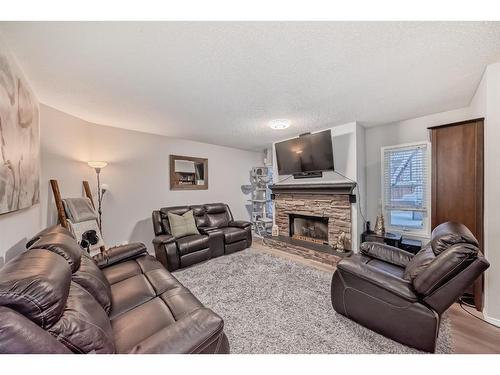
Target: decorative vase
x=275, y=231
x=380, y=225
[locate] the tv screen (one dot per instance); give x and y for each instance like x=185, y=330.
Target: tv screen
x=308, y=153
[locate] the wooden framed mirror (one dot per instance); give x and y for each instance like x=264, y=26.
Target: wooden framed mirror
x=188, y=173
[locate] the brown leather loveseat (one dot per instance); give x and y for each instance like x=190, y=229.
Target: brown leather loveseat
x=401, y=295
x=54, y=298
x=219, y=234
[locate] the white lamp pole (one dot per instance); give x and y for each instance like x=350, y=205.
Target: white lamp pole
x=98, y=165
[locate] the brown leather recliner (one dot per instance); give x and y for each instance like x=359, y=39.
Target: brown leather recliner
x=219, y=235
x=54, y=298
x=401, y=295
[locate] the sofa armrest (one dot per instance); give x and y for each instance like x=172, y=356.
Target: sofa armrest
x=206, y=230
x=378, y=277
x=239, y=224
x=119, y=253
x=163, y=239
x=191, y=334
x=386, y=253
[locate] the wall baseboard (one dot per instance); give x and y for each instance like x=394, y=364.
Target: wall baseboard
x=494, y=321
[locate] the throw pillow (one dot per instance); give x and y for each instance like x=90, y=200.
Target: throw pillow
x=182, y=225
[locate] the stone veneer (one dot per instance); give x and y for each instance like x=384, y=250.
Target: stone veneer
x=334, y=206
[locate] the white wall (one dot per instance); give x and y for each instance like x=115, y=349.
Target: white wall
x=15, y=229
x=137, y=173
x=348, y=159
x=492, y=192
x=361, y=190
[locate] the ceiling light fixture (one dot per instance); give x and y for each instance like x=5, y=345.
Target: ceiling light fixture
x=279, y=124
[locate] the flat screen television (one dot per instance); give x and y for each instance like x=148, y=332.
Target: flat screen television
x=307, y=153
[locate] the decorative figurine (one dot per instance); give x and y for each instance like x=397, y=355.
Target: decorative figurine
x=275, y=231
x=341, y=242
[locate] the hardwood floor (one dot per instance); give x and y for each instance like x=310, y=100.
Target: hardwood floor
x=470, y=335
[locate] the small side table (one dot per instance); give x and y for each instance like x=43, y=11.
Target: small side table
x=412, y=246
x=388, y=238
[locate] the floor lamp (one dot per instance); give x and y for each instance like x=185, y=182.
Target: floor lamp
x=98, y=165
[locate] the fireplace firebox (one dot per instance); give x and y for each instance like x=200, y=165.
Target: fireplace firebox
x=309, y=228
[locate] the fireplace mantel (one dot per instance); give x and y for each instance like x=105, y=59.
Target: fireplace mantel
x=337, y=188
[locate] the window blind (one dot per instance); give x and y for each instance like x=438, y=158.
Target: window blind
x=405, y=178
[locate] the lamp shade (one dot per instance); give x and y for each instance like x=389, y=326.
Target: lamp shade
x=97, y=164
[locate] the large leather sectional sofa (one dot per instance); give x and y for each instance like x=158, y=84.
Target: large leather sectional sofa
x=219, y=234
x=54, y=298
x=402, y=295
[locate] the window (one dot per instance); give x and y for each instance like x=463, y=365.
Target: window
x=405, y=187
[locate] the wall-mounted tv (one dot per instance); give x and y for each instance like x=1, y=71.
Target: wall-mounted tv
x=307, y=153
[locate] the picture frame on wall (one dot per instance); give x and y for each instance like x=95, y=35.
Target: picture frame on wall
x=188, y=173
x=19, y=140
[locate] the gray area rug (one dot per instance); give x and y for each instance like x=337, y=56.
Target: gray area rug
x=274, y=305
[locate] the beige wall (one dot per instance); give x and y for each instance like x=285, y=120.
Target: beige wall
x=137, y=174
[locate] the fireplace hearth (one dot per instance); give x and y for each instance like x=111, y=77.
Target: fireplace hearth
x=309, y=228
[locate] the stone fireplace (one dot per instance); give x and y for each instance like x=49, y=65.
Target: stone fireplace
x=311, y=217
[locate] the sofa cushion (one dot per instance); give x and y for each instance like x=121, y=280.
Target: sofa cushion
x=217, y=215
x=191, y=244
x=384, y=266
x=449, y=234
x=121, y=271
x=130, y=268
x=200, y=217
x=36, y=285
x=130, y=293
x=90, y=277
x=419, y=262
x=215, y=208
x=182, y=225
x=219, y=220
x=233, y=234
x=135, y=325
x=84, y=326
x=148, y=263
x=63, y=245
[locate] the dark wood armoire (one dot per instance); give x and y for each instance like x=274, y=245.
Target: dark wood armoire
x=457, y=180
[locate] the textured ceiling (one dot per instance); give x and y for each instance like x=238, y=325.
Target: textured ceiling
x=221, y=82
